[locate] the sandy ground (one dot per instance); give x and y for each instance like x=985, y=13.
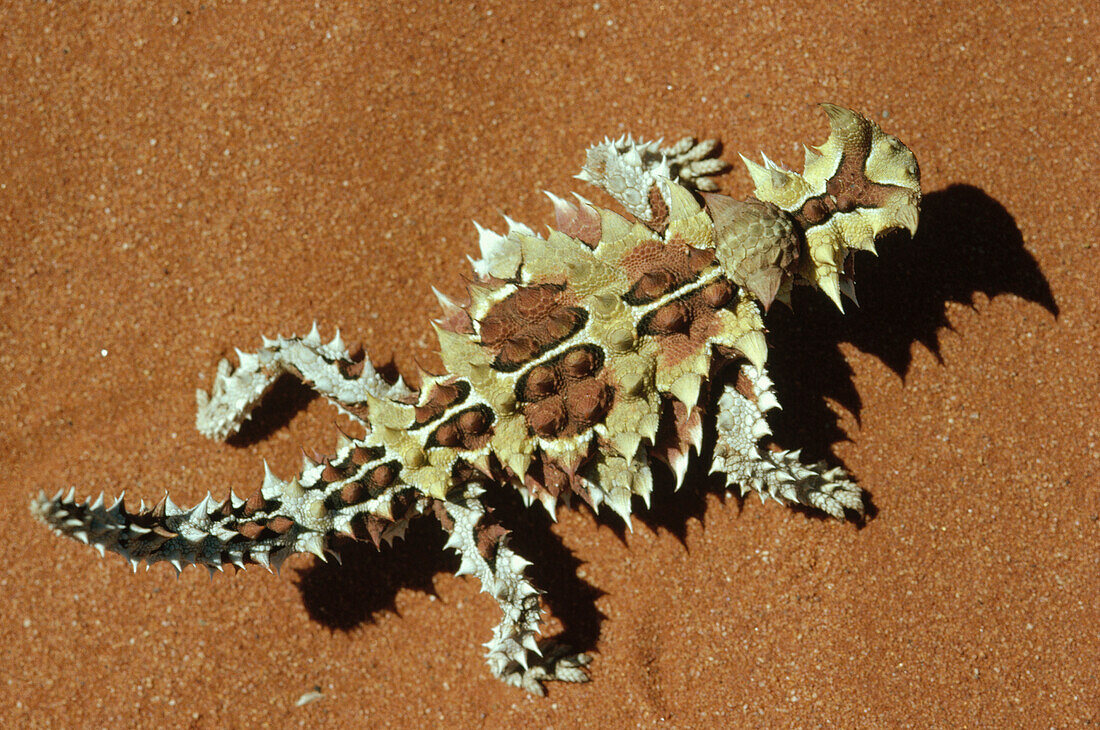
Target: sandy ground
x=176, y=181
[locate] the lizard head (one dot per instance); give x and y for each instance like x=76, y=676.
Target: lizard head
x=859, y=184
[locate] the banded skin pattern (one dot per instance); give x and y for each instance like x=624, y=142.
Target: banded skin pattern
x=576, y=360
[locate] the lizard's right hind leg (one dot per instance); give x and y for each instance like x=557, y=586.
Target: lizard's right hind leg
x=514, y=656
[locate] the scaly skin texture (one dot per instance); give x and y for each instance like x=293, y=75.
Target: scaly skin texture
x=574, y=362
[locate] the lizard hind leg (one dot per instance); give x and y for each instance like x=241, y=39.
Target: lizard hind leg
x=328, y=368
x=514, y=655
x=779, y=474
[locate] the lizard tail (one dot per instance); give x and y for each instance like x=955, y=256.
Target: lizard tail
x=356, y=493
x=236, y=531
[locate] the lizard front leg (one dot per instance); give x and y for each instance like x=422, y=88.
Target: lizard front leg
x=776, y=473
x=514, y=655
x=327, y=368
x=628, y=171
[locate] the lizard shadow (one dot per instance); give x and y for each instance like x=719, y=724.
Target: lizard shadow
x=287, y=397
x=366, y=581
x=343, y=594
x=967, y=244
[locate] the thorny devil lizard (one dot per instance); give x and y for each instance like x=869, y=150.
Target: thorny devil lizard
x=576, y=359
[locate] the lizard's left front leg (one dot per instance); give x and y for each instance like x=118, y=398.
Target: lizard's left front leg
x=514, y=654
x=775, y=473
x=327, y=368
x=629, y=171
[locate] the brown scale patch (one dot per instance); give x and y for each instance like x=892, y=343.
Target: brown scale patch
x=256, y=503
x=685, y=325
x=251, y=530
x=554, y=479
x=330, y=473
x=567, y=395
x=468, y=430
x=489, y=538
x=672, y=412
x=440, y=398
x=587, y=401
x=659, y=268
x=456, y=319
x=447, y=435
x=674, y=317
x=259, y=530
x=351, y=370
x=375, y=527
x=354, y=493
x=382, y=476
x=376, y=481
x=359, y=410
x=280, y=525
x=528, y=322
x=581, y=490
x=369, y=527
x=744, y=386
x=362, y=455
x=542, y=382
x=848, y=189
x=475, y=421
x=679, y=429
x=547, y=418
x=718, y=294
x=581, y=362
x=225, y=509
x=659, y=208
x=580, y=222
x=557, y=478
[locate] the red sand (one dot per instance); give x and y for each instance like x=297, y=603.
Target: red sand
x=175, y=182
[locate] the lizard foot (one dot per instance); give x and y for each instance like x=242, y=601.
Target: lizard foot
x=558, y=663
